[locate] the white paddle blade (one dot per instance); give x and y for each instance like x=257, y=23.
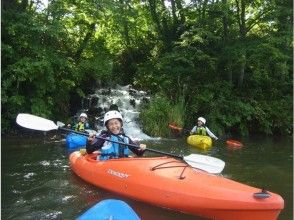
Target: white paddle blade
x=206, y=163
x=60, y=124
x=35, y=122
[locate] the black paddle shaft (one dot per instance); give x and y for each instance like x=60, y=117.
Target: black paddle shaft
x=118, y=142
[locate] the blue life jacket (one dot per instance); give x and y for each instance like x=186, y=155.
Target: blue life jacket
x=115, y=150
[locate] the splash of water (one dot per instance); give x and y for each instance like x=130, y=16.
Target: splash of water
x=122, y=98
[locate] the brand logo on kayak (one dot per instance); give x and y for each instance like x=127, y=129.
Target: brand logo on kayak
x=118, y=174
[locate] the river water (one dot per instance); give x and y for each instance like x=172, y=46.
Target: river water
x=37, y=182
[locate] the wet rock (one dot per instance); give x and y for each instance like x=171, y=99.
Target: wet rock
x=113, y=107
x=133, y=102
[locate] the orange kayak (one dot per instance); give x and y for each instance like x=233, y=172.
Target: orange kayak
x=233, y=143
x=170, y=183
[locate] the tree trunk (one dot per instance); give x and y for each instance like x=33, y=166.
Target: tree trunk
x=180, y=10
x=126, y=35
x=175, y=18
x=154, y=15
x=284, y=16
x=241, y=18
x=24, y=5
x=225, y=21
x=203, y=12
x=243, y=31
x=85, y=42
x=241, y=5
x=166, y=30
x=228, y=70
x=242, y=64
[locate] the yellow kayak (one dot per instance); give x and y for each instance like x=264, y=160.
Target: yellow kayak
x=200, y=141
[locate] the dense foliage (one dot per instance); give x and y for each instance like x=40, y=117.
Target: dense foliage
x=229, y=61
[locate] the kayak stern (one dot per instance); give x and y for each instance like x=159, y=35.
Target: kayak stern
x=170, y=183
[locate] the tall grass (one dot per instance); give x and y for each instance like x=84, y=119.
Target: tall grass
x=159, y=112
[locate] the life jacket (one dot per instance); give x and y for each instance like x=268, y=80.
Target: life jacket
x=201, y=131
x=80, y=126
x=114, y=150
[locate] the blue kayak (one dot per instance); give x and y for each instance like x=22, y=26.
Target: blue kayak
x=75, y=141
x=110, y=209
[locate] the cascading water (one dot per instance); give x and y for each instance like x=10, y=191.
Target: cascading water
x=122, y=98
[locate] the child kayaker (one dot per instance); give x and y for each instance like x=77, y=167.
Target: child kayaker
x=113, y=122
x=82, y=124
x=201, y=129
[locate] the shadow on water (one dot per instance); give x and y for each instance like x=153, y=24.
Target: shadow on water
x=37, y=182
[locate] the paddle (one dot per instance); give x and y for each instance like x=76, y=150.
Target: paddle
x=229, y=142
x=203, y=162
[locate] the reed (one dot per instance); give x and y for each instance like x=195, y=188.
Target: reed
x=159, y=112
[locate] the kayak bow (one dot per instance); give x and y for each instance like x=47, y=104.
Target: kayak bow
x=170, y=183
x=200, y=141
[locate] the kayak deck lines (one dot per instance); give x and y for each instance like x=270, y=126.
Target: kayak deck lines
x=160, y=166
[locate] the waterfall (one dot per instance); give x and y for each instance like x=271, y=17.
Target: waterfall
x=122, y=98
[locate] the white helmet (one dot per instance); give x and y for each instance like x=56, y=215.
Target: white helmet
x=202, y=120
x=83, y=115
x=111, y=115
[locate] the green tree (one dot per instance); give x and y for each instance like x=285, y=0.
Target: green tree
x=229, y=60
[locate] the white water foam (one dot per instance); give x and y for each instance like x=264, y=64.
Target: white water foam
x=29, y=175
x=127, y=100
x=45, y=163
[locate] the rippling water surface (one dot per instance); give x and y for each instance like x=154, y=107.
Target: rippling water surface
x=37, y=182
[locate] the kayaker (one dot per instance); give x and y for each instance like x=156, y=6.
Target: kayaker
x=201, y=129
x=82, y=124
x=113, y=122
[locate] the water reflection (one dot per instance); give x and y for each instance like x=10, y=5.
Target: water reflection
x=37, y=182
